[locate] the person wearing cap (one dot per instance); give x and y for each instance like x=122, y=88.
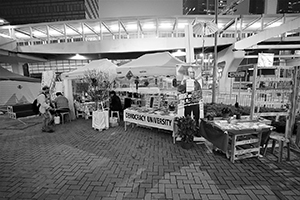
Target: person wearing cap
x=43, y=100
x=61, y=103
x=192, y=88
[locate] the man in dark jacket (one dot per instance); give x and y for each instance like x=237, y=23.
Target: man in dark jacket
x=115, y=103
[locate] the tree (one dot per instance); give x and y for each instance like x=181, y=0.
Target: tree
x=98, y=85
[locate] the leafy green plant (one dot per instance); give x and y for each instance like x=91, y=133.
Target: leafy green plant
x=245, y=110
x=186, y=128
x=226, y=110
x=210, y=115
x=98, y=85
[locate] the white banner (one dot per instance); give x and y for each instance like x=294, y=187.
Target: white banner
x=265, y=60
x=165, y=122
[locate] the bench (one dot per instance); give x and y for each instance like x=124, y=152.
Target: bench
x=20, y=110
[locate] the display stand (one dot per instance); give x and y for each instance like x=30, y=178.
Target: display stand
x=238, y=139
x=289, y=93
x=266, y=96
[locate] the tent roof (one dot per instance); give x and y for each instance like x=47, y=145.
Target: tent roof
x=8, y=75
x=151, y=64
x=103, y=65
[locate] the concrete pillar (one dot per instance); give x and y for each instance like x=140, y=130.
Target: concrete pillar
x=18, y=68
x=68, y=93
x=232, y=61
x=189, y=47
x=270, y=7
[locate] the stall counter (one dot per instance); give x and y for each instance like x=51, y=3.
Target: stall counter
x=156, y=119
x=238, y=139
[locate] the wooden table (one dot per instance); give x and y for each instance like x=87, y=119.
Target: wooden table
x=237, y=139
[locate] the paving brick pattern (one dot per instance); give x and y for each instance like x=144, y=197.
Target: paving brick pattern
x=77, y=162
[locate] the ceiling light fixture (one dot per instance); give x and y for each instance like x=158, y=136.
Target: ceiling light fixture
x=78, y=57
x=178, y=53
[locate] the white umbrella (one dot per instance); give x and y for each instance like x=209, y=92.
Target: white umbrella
x=203, y=29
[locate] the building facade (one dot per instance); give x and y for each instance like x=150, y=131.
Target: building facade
x=288, y=6
x=38, y=11
x=274, y=6
x=202, y=7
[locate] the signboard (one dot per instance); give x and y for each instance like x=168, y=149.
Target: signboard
x=265, y=60
x=236, y=74
x=152, y=120
x=129, y=75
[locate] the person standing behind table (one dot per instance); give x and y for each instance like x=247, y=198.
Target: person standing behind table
x=192, y=105
x=61, y=103
x=43, y=100
x=115, y=103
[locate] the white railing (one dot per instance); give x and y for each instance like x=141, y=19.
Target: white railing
x=245, y=100
x=127, y=28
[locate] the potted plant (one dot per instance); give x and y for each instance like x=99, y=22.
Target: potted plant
x=210, y=115
x=98, y=86
x=98, y=90
x=226, y=111
x=186, y=131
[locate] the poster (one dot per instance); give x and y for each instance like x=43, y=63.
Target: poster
x=189, y=79
x=265, y=60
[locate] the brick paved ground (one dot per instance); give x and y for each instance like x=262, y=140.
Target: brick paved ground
x=77, y=162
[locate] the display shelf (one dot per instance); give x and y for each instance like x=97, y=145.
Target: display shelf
x=244, y=145
x=267, y=95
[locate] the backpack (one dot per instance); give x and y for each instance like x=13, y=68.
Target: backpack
x=36, y=106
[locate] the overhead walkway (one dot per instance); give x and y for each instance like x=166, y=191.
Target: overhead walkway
x=233, y=55
x=143, y=34
x=136, y=34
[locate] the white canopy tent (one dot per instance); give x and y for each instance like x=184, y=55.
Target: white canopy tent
x=103, y=65
x=17, y=89
x=155, y=64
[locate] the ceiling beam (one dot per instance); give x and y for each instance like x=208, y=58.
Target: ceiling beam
x=105, y=25
x=253, y=22
x=123, y=26
x=175, y=25
x=140, y=26
x=56, y=29
x=272, y=22
x=93, y=30
x=277, y=46
x=230, y=23
x=28, y=34
x=37, y=29
x=276, y=56
x=74, y=29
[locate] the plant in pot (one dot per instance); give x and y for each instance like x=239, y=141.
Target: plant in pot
x=226, y=112
x=186, y=131
x=210, y=115
x=98, y=86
